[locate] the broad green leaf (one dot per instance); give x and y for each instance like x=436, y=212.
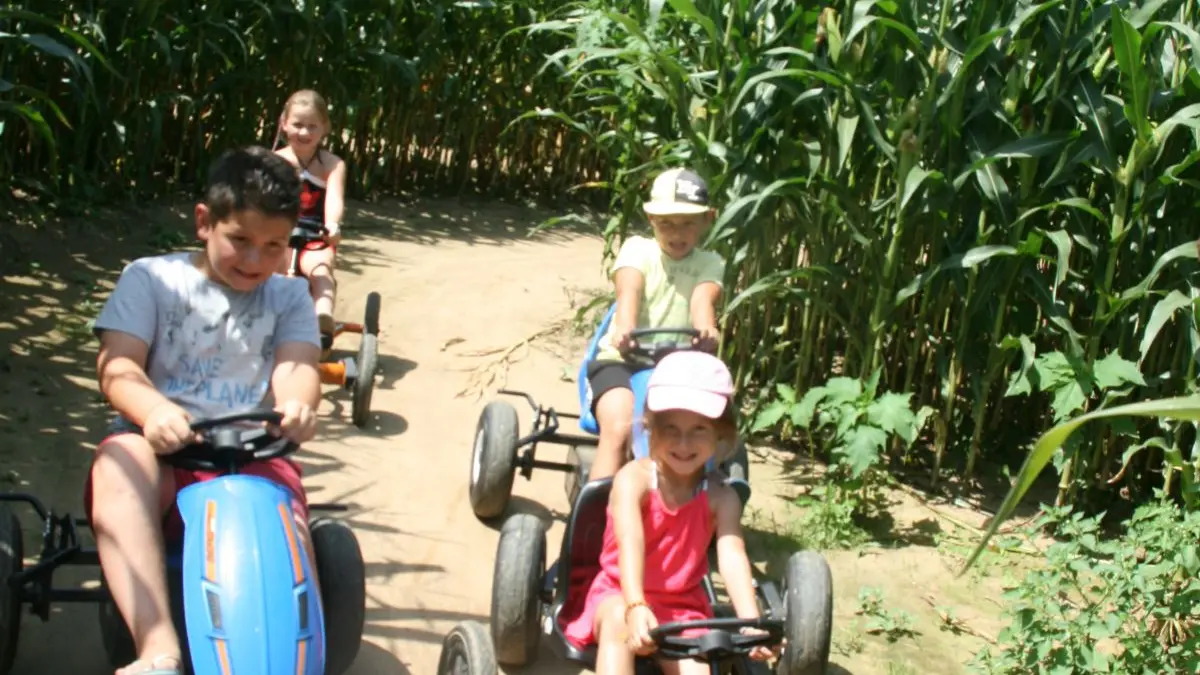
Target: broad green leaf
x=1062, y=242
x=912, y=183
x=1187, y=116
x=769, y=416
x=787, y=393
x=843, y=389
x=802, y=412
x=892, y=413
x=1182, y=408
x=1127, y=48
x=1020, y=382
x=845, y=136
x=862, y=447
x=1113, y=371
x=966, y=260
x=977, y=47
x=1186, y=31
x=1185, y=250
x=1080, y=203
x=688, y=9
x=1163, y=311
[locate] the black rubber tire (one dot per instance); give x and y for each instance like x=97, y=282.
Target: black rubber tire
x=493, y=460
x=371, y=315
x=466, y=650
x=808, y=603
x=516, y=589
x=118, y=642
x=364, y=385
x=12, y=561
x=342, y=576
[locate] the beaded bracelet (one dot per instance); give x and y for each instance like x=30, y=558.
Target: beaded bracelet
x=633, y=605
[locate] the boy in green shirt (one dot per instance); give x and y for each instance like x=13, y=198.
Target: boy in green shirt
x=663, y=282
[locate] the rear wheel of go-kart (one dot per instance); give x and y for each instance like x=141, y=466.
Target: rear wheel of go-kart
x=493, y=460
x=364, y=385
x=466, y=650
x=12, y=560
x=516, y=589
x=808, y=604
x=343, y=591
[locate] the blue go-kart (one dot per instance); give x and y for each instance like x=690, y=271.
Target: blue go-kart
x=244, y=597
x=500, y=452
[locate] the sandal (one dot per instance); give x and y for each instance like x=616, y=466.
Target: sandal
x=164, y=664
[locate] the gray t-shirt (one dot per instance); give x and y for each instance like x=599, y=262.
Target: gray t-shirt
x=212, y=349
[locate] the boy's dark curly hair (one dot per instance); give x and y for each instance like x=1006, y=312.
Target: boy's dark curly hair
x=252, y=178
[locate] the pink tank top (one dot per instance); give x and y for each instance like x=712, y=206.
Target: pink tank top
x=676, y=543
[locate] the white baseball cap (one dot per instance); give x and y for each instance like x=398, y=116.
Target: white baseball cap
x=677, y=192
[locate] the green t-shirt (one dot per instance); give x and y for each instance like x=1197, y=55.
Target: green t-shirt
x=669, y=283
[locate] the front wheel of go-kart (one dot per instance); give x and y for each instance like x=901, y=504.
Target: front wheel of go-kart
x=516, y=589
x=364, y=384
x=808, y=607
x=466, y=650
x=340, y=571
x=12, y=561
x=494, y=460
x=371, y=315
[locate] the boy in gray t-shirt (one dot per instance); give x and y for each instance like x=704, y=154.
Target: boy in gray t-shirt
x=194, y=335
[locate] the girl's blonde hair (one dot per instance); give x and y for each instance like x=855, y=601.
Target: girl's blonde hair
x=727, y=431
x=305, y=98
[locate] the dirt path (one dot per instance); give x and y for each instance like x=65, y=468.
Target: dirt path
x=454, y=280
x=446, y=273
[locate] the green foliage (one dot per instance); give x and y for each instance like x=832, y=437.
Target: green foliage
x=1123, y=606
x=891, y=623
x=104, y=101
x=948, y=193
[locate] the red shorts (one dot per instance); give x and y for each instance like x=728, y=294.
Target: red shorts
x=280, y=470
x=315, y=246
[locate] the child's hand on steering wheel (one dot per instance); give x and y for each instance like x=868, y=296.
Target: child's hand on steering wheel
x=168, y=428
x=333, y=232
x=761, y=653
x=708, y=340
x=299, y=423
x=639, y=621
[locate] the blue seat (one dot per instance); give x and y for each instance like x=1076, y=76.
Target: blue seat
x=587, y=421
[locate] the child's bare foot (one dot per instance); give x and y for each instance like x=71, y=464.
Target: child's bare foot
x=164, y=664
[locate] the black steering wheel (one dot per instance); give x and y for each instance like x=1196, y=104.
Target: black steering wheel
x=635, y=352
x=307, y=230
x=720, y=641
x=225, y=447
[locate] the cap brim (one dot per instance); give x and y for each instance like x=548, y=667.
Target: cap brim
x=701, y=402
x=673, y=208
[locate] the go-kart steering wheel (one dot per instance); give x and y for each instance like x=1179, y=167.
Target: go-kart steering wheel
x=721, y=639
x=224, y=446
x=636, y=352
x=307, y=230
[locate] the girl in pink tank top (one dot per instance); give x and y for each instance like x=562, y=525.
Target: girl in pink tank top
x=663, y=513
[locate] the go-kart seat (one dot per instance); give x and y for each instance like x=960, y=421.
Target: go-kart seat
x=587, y=421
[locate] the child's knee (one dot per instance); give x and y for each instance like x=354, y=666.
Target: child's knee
x=614, y=410
x=126, y=466
x=610, y=621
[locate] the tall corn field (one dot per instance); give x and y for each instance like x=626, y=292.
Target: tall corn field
x=103, y=100
x=990, y=205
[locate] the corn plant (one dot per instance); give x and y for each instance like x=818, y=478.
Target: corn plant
x=946, y=191
x=137, y=97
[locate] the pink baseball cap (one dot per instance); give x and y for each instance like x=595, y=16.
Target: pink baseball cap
x=690, y=380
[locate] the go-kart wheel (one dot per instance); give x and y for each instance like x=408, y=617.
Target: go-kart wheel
x=343, y=591
x=364, y=385
x=12, y=561
x=494, y=459
x=118, y=642
x=808, y=607
x=371, y=316
x=466, y=650
x=516, y=589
